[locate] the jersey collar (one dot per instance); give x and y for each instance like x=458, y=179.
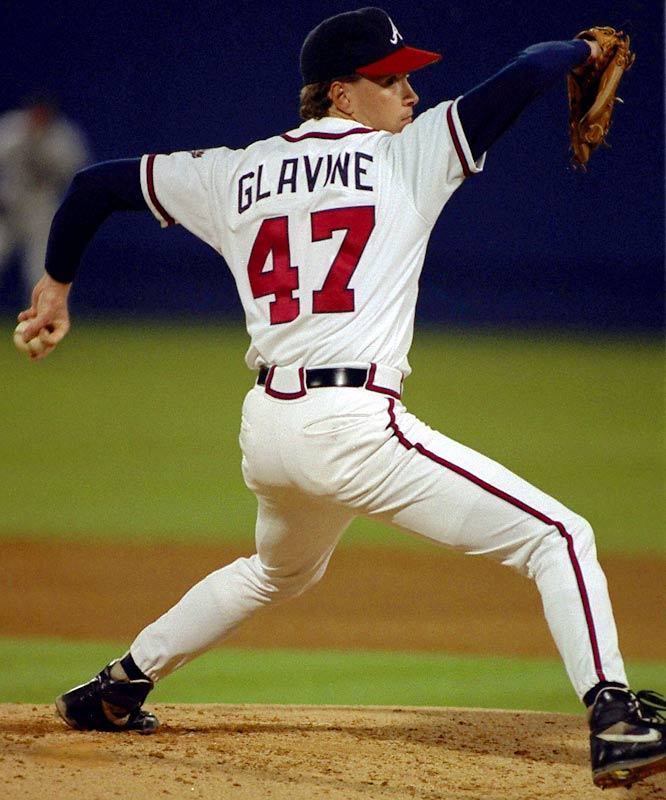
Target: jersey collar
x=326, y=128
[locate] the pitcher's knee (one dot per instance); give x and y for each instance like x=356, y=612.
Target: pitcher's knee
x=584, y=538
x=569, y=536
x=577, y=533
x=572, y=534
x=281, y=583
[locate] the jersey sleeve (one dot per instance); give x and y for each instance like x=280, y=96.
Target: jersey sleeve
x=179, y=189
x=433, y=156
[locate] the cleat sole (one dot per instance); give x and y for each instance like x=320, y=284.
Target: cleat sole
x=627, y=774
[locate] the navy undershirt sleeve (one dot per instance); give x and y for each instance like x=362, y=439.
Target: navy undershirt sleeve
x=94, y=194
x=487, y=110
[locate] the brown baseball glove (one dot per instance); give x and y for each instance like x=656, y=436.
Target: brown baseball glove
x=592, y=91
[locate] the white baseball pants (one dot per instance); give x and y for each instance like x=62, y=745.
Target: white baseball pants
x=318, y=461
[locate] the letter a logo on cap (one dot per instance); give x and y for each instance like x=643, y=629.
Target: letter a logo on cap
x=395, y=32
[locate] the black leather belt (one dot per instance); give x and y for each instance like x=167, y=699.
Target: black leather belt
x=326, y=376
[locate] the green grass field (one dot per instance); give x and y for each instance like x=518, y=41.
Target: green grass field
x=36, y=671
x=129, y=433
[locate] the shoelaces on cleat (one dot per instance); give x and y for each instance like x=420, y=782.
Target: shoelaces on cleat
x=653, y=706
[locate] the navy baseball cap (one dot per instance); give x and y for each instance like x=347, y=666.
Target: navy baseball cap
x=364, y=41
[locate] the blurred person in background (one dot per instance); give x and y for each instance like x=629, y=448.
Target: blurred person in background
x=40, y=152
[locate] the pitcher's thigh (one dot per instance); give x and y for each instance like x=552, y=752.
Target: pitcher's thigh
x=296, y=532
x=452, y=494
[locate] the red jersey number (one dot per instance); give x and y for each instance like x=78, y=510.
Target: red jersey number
x=335, y=296
x=282, y=280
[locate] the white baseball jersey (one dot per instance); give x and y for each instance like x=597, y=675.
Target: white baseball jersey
x=325, y=229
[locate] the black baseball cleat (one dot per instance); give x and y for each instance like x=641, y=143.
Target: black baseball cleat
x=108, y=704
x=628, y=737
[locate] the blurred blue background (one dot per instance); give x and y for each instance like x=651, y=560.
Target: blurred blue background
x=530, y=242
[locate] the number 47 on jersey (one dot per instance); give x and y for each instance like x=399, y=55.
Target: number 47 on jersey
x=334, y=296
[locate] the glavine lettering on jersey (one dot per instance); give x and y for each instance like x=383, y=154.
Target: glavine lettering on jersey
x=346, y=169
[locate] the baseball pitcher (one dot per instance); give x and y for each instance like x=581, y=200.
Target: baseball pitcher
x=325, y=229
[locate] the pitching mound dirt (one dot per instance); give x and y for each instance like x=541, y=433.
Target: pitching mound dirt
x=383, y=599
x=304, y=753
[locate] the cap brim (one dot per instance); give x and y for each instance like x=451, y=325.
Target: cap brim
x=406, y=59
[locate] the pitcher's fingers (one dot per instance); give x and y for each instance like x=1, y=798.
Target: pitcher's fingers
x=35, y=326
x=45, y=352
x=28, y=313
x=52, y=335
